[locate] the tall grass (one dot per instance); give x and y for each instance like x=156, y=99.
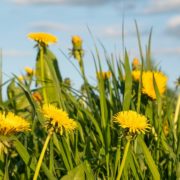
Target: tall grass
x=99, y=148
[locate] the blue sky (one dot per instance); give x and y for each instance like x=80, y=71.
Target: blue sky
x=65, y=18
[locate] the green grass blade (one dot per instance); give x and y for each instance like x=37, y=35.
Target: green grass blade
x=24, y=154
x=149, y=160
x=149, y=64
x=128, y=84
x=51, y=156
x=139, y=42
x=47, y=172
x=132, y=165
x=61, y=151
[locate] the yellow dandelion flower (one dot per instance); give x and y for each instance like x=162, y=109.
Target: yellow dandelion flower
x=148, y=86
x=76, y=40
x=104, y=75
x=108, y=74
x=21, y=78
x=29, y=71
x=11, y=124
x=136, y=75
x=58, y=119
x=131, y=120
x=42, y=37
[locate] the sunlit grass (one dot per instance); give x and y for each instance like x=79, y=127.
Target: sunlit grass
x=73, y=134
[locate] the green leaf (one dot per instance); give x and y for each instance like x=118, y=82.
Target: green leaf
x=76, y=173
x=6, y=174
x=149, y=160
x=59, y=146
x=167, y=148
x=128, y=83
x=149, y=65
x=79, y=173
x=52, y=76
x=24, y=154
x=178, y=170
x=30, y=161
x=16, y=96
x=47, y=172
x=132, y=165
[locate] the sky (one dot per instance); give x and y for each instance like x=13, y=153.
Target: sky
x=65, y=18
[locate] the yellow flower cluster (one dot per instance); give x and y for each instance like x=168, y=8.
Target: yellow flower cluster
x=147, y=82
x=131, y=120
x=42, y=37
x=58, y=119
x=104, y=75
x=11, y=124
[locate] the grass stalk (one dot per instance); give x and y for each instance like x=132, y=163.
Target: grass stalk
x=38, y=166
x=123, y=160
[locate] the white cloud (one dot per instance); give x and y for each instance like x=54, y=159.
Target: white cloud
x=160, y=6
x=48, y=26
x=173, y=26
x=167, y=51
x=115, y=31
x=16, y=53
x=66, y=2
x=112, y=31
x=174, y=22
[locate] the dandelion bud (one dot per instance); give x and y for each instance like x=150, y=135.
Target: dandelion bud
x=29, y=71
x=77, y=42
x=104, y=75
x=37, y=97
x=77, y=50
x=21, y=78
x=67, y=82
x=135, y=64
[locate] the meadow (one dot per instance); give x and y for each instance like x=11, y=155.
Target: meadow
x=126, y=126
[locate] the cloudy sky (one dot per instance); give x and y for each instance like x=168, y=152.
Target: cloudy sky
x=65, y=18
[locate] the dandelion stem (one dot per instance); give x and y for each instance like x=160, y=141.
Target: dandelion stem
x=38, y=166
x=123, y=160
